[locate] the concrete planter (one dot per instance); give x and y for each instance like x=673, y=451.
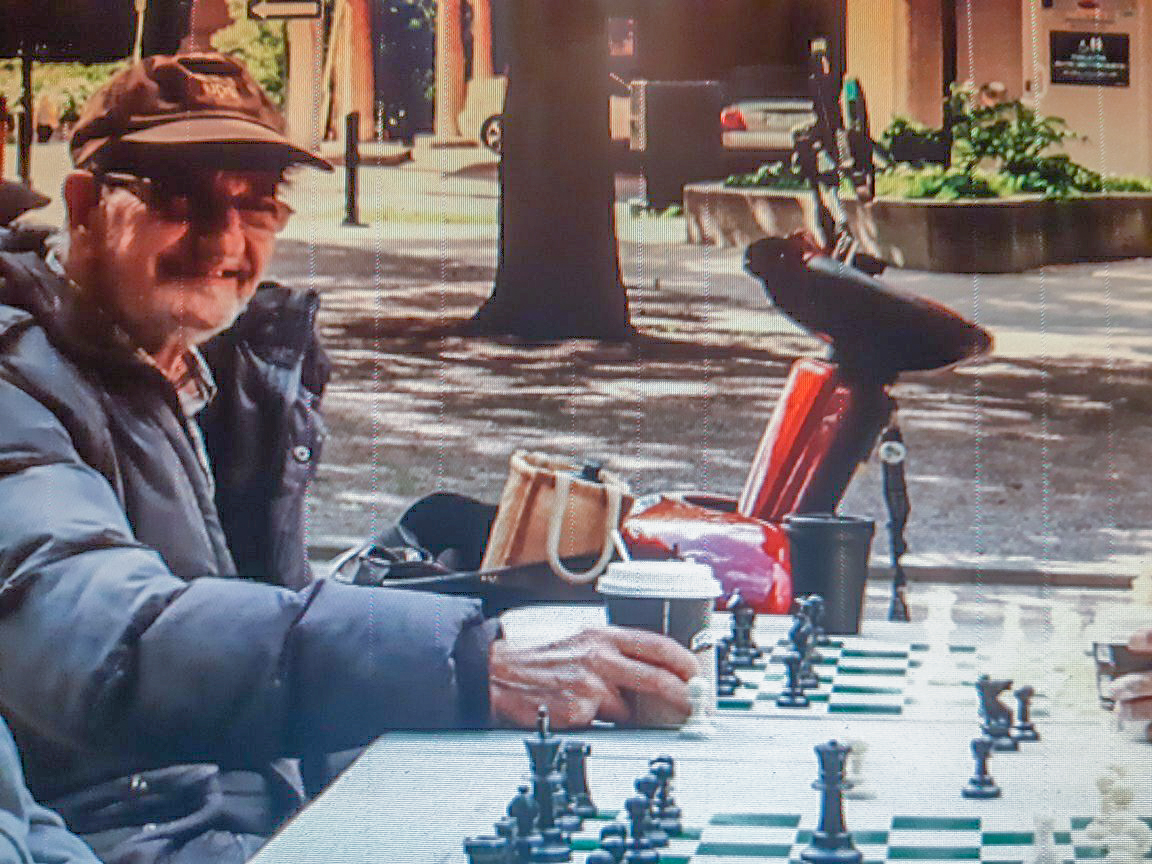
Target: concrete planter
x=1005, y=235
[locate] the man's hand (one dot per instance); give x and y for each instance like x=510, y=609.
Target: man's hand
x=1133, y=693
x=589, y=676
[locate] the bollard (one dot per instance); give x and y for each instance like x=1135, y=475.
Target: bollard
x=351, y=167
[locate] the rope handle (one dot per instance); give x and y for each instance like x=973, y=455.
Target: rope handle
x=556, y=523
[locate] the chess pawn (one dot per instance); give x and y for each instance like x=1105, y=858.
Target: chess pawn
x=699, y=725
x=667, y=812
x=727, y=683
x=647, y=785
x=981, y=784
x=1024, y=729
x=640, y=849
x=1044, y=842
x=854, y=783
x=793, y=694
x=523, y=810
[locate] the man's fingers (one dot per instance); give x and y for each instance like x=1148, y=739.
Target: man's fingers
x=623, y=673
x=652, y=648
x=1129, y=688
x=1141, y=641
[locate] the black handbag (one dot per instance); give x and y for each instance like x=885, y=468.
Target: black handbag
x=438, y=544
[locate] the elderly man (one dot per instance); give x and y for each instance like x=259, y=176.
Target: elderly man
x=165, y=656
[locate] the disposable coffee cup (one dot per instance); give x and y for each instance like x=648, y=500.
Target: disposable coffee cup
x=674, y=598
x=829, y=556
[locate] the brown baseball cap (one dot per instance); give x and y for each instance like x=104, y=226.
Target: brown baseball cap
x=191, y=106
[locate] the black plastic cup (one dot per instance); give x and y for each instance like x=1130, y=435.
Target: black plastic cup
x=829, y=555
x=674, y=598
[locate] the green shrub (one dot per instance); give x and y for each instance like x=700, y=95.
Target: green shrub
x=996, y=150
x=939, y=183
x=773, y=175
x=1126, y=183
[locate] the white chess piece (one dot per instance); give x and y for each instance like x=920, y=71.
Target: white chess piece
x=1012, y=646
x=938, y=666
x=699, y=725
x=855, y=785
x=1044, y=842
x=1128, y=835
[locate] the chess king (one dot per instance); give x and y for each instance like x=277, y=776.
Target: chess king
x=167, y=661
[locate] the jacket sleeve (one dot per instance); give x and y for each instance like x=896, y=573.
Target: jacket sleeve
x=101, y=647
x=29, y=833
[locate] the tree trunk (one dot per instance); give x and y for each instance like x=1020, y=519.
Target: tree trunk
x=558, y=274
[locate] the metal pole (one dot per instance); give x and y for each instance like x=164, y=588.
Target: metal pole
x=24, y=131
x=351, y=169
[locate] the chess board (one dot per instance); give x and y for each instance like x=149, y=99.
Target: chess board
x=861, y=676
x=742, y=838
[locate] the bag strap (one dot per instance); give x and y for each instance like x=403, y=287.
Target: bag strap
x=556, y=524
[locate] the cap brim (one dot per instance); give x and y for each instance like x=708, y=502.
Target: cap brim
x=16, y=199
x=224, y=132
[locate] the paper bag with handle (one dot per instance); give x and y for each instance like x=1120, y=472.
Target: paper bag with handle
x=553, y=508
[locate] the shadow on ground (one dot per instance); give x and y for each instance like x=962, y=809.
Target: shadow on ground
x=1007, y=457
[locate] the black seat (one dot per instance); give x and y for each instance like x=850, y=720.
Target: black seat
x=872, y=328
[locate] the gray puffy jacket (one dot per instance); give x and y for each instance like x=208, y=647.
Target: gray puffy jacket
x=153, y=619
x=29, y=834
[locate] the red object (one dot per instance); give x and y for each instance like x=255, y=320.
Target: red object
x=732, y=120
x=744, y=552
x=742, y=540
x=806, y=419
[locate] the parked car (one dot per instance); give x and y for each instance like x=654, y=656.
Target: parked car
x=764, y=125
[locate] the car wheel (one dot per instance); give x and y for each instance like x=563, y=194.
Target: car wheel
x=492, y=133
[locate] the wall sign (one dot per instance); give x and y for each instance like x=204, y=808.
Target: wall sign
x=1099, y=59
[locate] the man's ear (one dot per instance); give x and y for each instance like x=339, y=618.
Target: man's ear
x=81, y=195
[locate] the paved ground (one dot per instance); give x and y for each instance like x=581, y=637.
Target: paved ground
x=1032, y=457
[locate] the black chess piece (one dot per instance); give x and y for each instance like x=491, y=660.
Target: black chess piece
x=1024, y=729
x=506, y=829
x=996, y=716
x=542, y=751
x=831, y=842
x=647, y=786
x=486, y=850
x=800, y=636
x=981, y=784
x=792, y=696
x=667, y=813
x=816, y=607
x=640, y=849
x=614, y=840
x=727, y=682
x=575, y=759
x=522, y=809
x=745, y=652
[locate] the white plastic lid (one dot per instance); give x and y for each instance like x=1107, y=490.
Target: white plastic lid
x=664, y=579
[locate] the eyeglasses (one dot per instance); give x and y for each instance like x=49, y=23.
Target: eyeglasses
x=205, y=197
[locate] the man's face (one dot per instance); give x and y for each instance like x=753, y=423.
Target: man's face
x=177, y=259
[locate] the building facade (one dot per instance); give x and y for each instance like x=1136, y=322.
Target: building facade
x=1082, y=60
